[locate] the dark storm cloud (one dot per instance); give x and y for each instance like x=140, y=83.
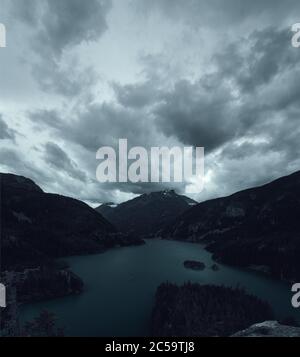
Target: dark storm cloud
x=69, y=82
x=282, y=135
x=199, y=13
x=233, y=101
x=5, y=131
x=237, y=95
x=241, y=99
x=26, y=11
x=238, y=98
x=69, y=22
x=57, y=26
x=197, y=115
x=136, y=95
x=255, y=60
x=58, y=159
x=98, y=125
x=62, y=23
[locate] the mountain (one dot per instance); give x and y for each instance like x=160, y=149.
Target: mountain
x=256, y=228
x=147, y=214
x=106, y=209
x=37, y=226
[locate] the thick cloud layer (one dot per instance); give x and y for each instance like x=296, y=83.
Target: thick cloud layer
x=83, y=74
x=56, y=27
x=219, y=13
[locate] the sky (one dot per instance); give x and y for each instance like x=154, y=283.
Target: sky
x=78, y=75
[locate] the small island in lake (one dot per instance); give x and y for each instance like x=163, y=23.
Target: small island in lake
x=215, y=267
x=194, y=265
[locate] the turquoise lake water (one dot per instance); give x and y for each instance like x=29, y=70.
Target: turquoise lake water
x=120, y=288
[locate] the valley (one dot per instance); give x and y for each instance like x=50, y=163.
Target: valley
x=115, y=257
x=121, y=284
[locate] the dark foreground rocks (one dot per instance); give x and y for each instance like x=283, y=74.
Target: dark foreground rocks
x=269, y=329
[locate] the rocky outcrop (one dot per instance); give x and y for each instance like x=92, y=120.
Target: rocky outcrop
x=146, y=215
x=255, y=227
x=269, y=329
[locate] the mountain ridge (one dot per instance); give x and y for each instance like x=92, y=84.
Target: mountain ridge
x=148, y=214
x=254, y=227
x=38, y=226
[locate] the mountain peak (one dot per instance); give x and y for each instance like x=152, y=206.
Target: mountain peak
x=161, y=193
x=147, y=214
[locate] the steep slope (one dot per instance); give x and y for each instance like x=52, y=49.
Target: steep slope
x=258, y=227
x=106, y=209
x=146, y=215
x=37, y=226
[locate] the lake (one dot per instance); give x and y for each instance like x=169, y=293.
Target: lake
x=120, y=288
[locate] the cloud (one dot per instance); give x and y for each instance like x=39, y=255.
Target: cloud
x=137, y=95
x=5, y=131
x=61, y=24
x=198, y=116
x=58, y=26
x=12, y=161
x=243, y=96
x=218, y=74
x=70, y=82
x=237, y=111
x=58, y=159
x=9, y=157
x=69, y=22
x=255, y=60
x=27, y=11
x=220, y=13
x=46, y=119
x=99, y=125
